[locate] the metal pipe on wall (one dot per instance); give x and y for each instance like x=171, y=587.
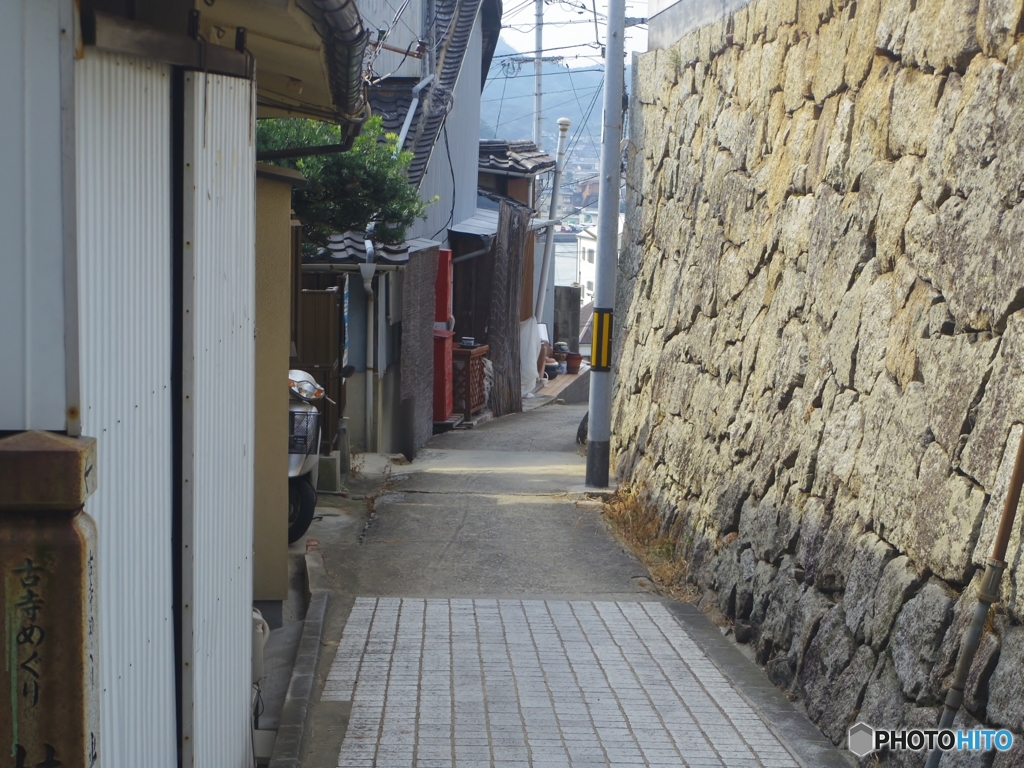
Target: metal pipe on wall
x=988, y=594
x=367, y=271
x=549, y=242
x=412, y=109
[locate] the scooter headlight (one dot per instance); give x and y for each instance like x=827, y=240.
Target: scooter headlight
x=305, y=390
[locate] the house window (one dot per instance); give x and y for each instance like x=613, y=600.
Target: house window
x=590, y=255
x=590, y=286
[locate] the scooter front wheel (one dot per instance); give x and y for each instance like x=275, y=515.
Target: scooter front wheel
x=301, y=506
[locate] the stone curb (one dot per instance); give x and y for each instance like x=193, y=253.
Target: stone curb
x=805, y=742
x=291, y=732
x=316, y=572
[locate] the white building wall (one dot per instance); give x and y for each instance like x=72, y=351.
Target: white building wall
x=404, y=35
x=459, y=156
x=218, y=381
x=123, y=149
x=33, y=392
x=586, y=266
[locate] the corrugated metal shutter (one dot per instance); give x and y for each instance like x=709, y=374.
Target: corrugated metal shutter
x=123, y=146
x=219, y=299
x=32, y=352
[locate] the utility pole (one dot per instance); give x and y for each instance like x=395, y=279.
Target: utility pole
x=549, y=243
x=599, y=428
x=538, y=66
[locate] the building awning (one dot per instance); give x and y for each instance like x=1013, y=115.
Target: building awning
x=483, y=223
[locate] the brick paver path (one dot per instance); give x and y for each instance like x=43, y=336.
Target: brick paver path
x=541, y=683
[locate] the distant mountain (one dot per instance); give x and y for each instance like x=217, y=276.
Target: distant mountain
x=506, y=109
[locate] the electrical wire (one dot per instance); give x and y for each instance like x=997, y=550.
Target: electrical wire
x=545, y=50
x=576, y=139
x=383, y=38
x=497, y=122
x=530, y=95
x=525, y=28
x=546, y=74
x=398, y=67
x=451, y=167
x=590, y=134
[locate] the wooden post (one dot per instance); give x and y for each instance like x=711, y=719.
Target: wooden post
x=49, y=681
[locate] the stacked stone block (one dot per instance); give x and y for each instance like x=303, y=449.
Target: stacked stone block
x=821, y=343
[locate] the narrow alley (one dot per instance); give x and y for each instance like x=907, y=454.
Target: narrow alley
x=482, y=616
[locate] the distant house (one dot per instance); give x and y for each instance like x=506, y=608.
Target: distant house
x=428, y=94
x=586, y=257
x=586, y=193
x=508, y=172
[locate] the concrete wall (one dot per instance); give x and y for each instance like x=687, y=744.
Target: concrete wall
x=273, y=331
x=822, y=341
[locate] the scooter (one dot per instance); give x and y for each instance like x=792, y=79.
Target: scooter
x=303, y=451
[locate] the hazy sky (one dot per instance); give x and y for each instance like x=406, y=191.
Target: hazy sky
x=569, y=23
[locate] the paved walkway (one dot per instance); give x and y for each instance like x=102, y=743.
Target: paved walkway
x=492, y=622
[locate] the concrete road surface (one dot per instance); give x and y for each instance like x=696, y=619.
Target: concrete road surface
x=480, y=617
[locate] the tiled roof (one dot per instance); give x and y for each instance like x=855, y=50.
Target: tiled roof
x=519, y=157
x=351, y=247
x=454, y=24
x=391, y=100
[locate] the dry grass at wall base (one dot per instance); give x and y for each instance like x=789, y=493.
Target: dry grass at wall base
x=635, y=520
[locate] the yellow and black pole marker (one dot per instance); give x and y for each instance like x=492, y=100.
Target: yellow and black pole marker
x=599, y=426
x=601, y=350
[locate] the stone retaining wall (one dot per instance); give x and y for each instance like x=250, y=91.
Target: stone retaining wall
x=821, y=338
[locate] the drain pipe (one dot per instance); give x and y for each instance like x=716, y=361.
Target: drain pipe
x=367, y=270
x=549, y=243
x=988, y=593
x=412, y=110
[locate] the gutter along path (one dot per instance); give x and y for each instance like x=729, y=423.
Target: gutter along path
x=483, y=618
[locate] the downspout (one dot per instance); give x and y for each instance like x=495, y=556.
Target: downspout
x=412, y=109
x=988, y=593
x=549, y=243
x=367, y=269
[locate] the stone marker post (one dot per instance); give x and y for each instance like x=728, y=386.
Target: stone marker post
x=49, y=681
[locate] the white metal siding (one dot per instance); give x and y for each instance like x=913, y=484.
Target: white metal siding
x=32, y=370
x=402, y=35
x=123, y=146
x=463, y=128
x=219, y=381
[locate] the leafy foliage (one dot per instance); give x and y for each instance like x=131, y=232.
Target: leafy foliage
x=347, y=190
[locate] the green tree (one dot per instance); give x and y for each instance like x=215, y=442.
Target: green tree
x=347, y=190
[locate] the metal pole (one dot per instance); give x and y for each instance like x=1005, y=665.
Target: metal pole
x=367, y=269
x=988, y=593
x=599, y=437
x=538, y=65
x=549, y=243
